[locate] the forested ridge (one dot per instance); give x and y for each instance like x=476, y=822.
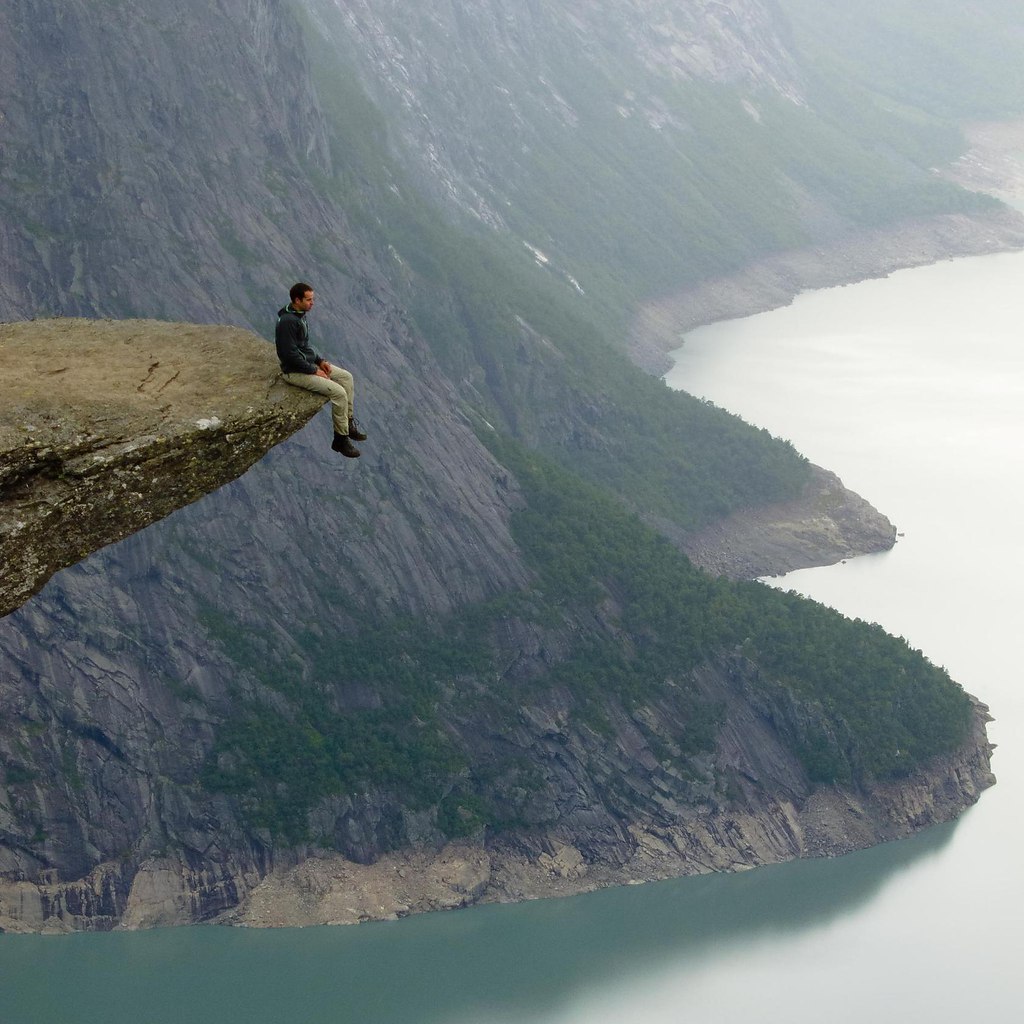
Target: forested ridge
x=858, y=704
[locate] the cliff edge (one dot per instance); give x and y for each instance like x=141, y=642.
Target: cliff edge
x=107, y=426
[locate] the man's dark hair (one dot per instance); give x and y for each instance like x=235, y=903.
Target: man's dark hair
x=299, y=290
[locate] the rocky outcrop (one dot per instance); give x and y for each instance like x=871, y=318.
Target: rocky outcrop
x=107, y=426
x=826, y=524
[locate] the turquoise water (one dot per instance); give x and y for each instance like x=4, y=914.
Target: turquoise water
x=912, y=389
x=534, y=961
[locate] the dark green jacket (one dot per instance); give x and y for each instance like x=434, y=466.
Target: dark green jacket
x=292, y=339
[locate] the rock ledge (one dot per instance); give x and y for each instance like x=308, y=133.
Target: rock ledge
x=107, y=426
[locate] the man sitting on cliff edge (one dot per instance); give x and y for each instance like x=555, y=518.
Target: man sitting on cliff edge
x=304, y=368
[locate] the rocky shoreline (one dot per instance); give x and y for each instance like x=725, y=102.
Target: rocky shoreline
x=776, y=280
x=824, y=525
x=993, y=164
x=318, y=887
x=829, y=523
x=327, y=890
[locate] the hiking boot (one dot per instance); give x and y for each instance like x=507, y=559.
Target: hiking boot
x=344, y=445
x=354, y=432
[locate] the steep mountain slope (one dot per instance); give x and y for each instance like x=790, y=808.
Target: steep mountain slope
x=188, y=195
x=455, y=636
x=640, y=147
x=174, y=733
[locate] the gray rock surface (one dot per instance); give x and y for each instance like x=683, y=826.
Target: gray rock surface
x=616, y=814
x=107, y=426
x=824, y=525
x=461, y=81
x=329, y=890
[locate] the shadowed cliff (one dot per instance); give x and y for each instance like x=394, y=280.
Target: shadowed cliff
x=107, y=426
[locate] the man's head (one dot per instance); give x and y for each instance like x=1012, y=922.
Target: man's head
x=302, y=297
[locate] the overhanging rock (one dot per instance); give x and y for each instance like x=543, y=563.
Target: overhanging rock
x=107, y=426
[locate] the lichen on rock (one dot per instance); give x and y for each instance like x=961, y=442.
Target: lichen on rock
x=107, y=426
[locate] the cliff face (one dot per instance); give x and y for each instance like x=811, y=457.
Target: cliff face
x=770, y=827
x=475, y=88
x=677, y=143
x=611, y=810
x=189, y=196
x=120, y=199
x=176, y=160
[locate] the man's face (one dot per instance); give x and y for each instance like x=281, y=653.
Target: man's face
x=305, y=304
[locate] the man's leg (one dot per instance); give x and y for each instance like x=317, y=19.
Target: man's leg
x=329, y=388
x=346, y=380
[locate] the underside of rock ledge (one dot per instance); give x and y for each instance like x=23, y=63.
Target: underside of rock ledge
x=107, y=426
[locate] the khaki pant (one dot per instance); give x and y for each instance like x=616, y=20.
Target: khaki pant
x=340, y=389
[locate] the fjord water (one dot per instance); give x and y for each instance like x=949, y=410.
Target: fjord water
x=910, y=388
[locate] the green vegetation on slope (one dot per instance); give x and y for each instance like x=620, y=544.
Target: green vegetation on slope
x=551, y=377
x=891, y=707
x=632, y=212
x=394, y=710
x=638, y=183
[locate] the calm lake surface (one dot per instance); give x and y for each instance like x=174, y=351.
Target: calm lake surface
x=911, y=389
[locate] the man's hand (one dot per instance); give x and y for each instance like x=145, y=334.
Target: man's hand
x=321, y=373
